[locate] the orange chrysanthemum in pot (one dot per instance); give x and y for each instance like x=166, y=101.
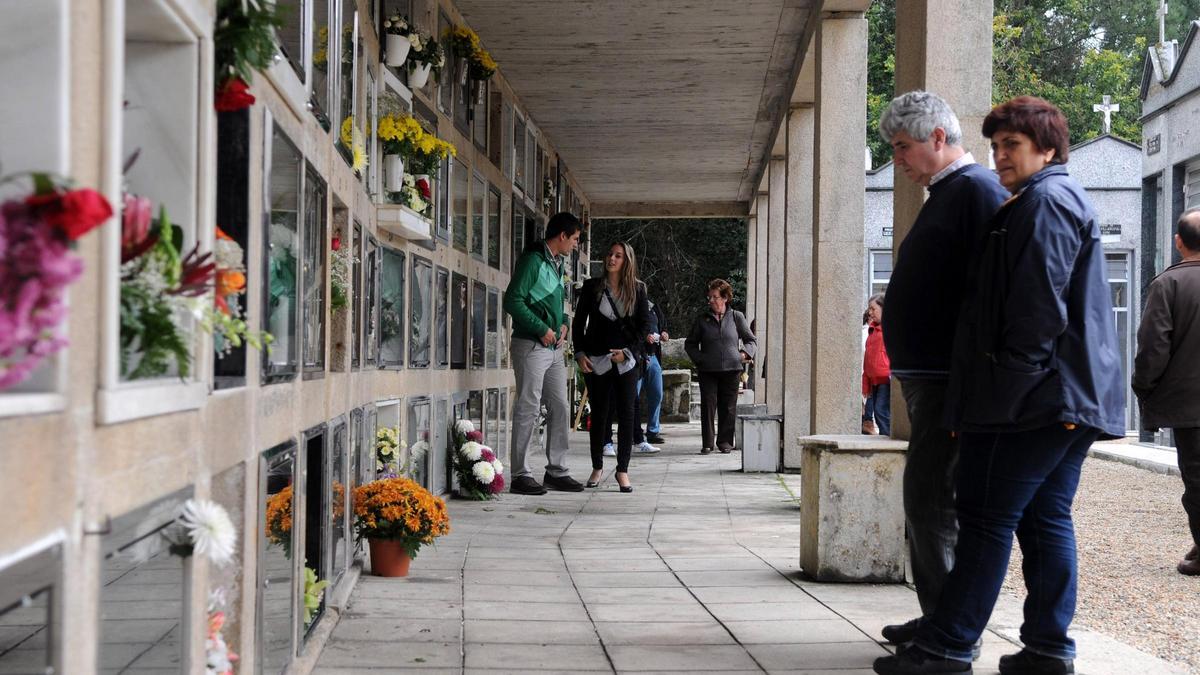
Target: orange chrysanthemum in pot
x=397, y=516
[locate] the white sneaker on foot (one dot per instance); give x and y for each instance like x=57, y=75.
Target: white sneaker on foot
x=609, y=450
x=646, y=449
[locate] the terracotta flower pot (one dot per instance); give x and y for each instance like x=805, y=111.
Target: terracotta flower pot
x=388, y=558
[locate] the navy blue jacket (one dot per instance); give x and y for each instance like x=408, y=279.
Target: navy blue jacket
x=929, y=281
x=1036, y=343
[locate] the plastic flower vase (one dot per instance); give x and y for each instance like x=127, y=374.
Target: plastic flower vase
x=388, y=558
x=397, y=50
x=393, y=172
x=419, y=75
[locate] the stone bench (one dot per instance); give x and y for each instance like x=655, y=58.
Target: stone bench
x=852, y=508
x=677, y=396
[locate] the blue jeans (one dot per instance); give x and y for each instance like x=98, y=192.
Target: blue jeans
x=652, y=379
x=1021, y=482
x=879, y=405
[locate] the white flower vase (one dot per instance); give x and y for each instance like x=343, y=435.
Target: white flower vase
x=393, y=173
x=480, y=91
x=462, y=70
x=418, y=76
x=397, y=50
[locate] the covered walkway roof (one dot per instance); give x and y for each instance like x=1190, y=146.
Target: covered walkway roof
x=659, y=107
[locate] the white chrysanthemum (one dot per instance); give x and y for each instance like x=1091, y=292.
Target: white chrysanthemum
x=418, y=450
x=472, y=451
x=208, y=525
x=464, y=427
x=497, y=466
x=483, y=472
x=416, y=42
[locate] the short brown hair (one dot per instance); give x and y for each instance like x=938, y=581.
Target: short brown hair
x=1040, y=120
x=721, y=286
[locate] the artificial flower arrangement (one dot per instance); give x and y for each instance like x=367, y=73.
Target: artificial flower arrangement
x=425, y=58
x=480, y=473
x=279, y=520
x=202, y=527
x=399, y=510
x=339, y=274
x=218, y=657
x=388, y=448
x=549, y=192
x=314, y=592
x=352, y=140
x=36, y=267
x=226, y=319
x=243, y=42
x=465, y=44
x=401, y=134
x=159, y=291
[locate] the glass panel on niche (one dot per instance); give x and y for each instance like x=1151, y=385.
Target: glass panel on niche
x=479, y=115
x=142, y=602
x=492, y=352
x=341, y=285
x=291, y=34
x=25, y=634
x=478, y=323
x=459, y=309
x=322, y=84
x=478, y=195
x=356, y=263
x=283, y=245
x=501, y=443
x=339, y=499
x=505, y=338
x=419, y=437
x=422, y=313
x=439, y=466
x=443, y=202
x=371, y=300
x=391, y=308
x=316, y=524
x=518, y=231
x=277, y=604
x=493, y=227
x=446, y=81
x=475, y=412
x=315, y=242
x=460, y=180
x=347, y=115
x=519, y=152
x=493, y=418
x=441, y=335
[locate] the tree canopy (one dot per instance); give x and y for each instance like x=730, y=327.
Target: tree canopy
x=1069, y=52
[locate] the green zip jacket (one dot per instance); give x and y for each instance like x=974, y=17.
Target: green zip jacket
x=534, y=298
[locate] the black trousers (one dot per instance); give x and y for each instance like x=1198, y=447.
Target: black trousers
x=1187, y=445
x=718, y=403
x=619, y=392
x=638, y=435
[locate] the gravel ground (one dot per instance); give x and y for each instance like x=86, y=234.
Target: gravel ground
x=1132, y=531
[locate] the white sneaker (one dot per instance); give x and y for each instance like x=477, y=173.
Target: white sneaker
x=646, y=449
x=609, y=450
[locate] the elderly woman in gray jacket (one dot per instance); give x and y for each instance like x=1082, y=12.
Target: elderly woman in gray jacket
x=719, y=344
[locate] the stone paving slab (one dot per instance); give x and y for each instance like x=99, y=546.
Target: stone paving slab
x=696, y=571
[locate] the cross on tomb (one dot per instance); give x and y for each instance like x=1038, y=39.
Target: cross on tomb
x=1161, y=12
x=1108, y=108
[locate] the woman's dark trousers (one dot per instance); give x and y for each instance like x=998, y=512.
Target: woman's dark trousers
x=1022, y=482
x=620, y=392
x=718, y=403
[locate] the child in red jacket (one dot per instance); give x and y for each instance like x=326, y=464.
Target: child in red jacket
x=877, y=372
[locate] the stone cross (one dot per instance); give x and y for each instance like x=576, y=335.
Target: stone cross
x=1108, y=108
x=1162, y=21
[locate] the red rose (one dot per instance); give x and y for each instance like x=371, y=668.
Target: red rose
x=233, y=95
x=423, y=186
x=74, y=213
x=336, y=243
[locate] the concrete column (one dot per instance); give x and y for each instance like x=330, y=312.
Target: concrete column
x=838, y=205
x=762, y=304
x=751, y=257
x=798, y=275
x=961, y=73
x=771, y=359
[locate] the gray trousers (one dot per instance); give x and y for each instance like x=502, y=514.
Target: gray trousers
x=541, y=378
x=929, y=490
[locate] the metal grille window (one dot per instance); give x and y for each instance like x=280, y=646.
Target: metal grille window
x=1191, y=186
x=879, y=271
x=1118, y=273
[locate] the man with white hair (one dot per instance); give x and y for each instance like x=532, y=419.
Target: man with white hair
x=928, y=285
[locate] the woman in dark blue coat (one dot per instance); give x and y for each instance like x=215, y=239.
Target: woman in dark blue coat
x=1036, y=379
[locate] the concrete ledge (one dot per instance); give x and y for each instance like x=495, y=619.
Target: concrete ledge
x=1151, y=458
x=792, y=456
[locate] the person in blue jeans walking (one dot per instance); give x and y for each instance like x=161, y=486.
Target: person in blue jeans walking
x=1035, y=380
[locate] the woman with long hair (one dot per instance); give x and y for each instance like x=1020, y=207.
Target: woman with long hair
x=720, y=343
x=609, y=334
x=1035, y=380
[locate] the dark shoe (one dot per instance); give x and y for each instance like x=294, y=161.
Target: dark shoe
x=705, y=451
x=562, y=483
x=916, y=661
x=1189, y=567
x=525, y=485
x=1193, y=554
x=901, y=633
x=1026, y=662
x=655, y=438
x=624, y=488
x=725, y=450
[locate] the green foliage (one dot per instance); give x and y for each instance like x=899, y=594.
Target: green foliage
x=148, y=331
x=677, y=258
x=244, y=37
x=1069, y=52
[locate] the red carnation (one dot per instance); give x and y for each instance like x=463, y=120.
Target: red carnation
x=74, y=213
x=476, y=436
x=336, y=243
x=234, y=95
x=423, y=187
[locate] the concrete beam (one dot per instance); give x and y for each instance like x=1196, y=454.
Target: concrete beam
x=838, y=188
x=732, y=209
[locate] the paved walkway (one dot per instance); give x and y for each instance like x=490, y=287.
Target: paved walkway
x=696, y=570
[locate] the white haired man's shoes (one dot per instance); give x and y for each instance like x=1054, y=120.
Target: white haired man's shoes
x=644, y=448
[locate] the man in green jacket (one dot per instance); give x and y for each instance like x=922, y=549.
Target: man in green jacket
x=534, y=300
